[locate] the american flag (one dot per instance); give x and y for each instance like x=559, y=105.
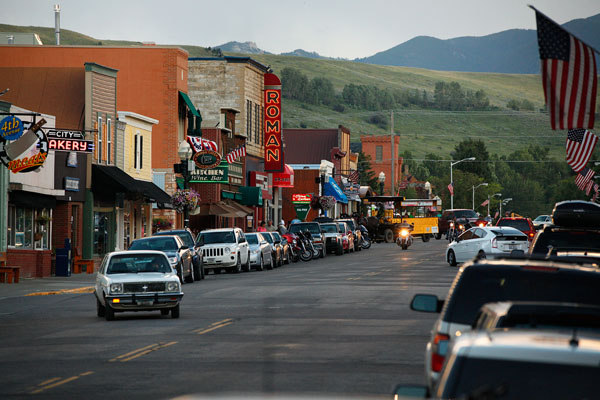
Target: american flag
x=595, y=196
x=199, y=144
x=588, y=187
x=451, y=189
x=583, y=177
x=235, y=154
x=580, y=146
x=485, y=203
x=568, y=76
x=354, y=177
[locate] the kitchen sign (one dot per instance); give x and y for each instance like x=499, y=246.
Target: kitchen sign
x=207, y=159
x=219, y=174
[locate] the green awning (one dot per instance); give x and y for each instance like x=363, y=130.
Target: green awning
x=189, y=104
x=251, y=196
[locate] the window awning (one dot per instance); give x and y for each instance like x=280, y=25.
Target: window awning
x=108, y=178
x=251, y=195
x=285, y=178
x=155, y=194
x=331, y=188
x=189, y=103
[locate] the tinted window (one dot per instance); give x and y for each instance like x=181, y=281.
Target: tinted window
x=268, y=238
x=329, y=228
x=466, y=236
x=313, y=228
x=252, y=239
x=520, y=224
x=185, y=237
x=480, y=285
x=465, y=214
x=217, y=237
x=567, y=240
x=155, y=243
x=519, y=380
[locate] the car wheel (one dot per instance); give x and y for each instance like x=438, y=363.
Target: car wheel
x=270, y=266
x=164, y=311
x=179, y=270
x=425, y=238
x=452, y=258
x=438, y=236
x=217, y=271
x=100, y=310
x=175, y=311
x=322, y=253
x=287, y=258
x=388, y=235
x=339, y=250
x=481, y=255
x=190, y=277
x=246, y=266
x=198, y=271
x=109, y=313
x=237, y=268
x=261, y=264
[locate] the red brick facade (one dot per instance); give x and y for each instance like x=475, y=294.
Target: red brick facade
x=369, y=147
x=33, y=263
x=304, y=182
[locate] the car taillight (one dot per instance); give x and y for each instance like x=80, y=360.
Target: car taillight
x=494, y=243
x=531, y=234
x=438, y=351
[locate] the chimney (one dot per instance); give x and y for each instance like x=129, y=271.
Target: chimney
x=11, y=39
x=57, y=23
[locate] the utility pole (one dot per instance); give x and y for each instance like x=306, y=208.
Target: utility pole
x=393, y=148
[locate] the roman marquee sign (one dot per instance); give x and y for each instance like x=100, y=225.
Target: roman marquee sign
x=273, y=141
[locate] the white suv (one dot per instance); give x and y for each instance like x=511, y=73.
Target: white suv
x=224, y=248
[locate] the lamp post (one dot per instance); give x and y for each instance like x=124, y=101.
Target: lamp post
x=323, y=172
x=452, y=181
x=503, y=202
x=475, y=187
x=185, y=153
x=428, y=189
x=381, y=182
x=494, y=195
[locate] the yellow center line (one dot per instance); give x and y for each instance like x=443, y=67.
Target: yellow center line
x=202, y=332
x=86, y=289
x=132, y=352
x=49, y=381
x=148, y=351
x=55, y=384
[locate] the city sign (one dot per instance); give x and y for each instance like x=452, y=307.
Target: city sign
x=11, y=128
x=219, y=174
x=206, y=159
x=63, y=134
x=272, y=116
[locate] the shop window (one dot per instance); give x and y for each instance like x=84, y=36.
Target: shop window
x=108, y=140
x=101, y=232
x=256, y=124
x=28, y=228
x=249, y=120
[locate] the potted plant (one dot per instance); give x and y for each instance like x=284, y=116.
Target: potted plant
x=185, y=198
x=42, y=219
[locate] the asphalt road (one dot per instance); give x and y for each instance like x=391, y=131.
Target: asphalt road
x=339, y=325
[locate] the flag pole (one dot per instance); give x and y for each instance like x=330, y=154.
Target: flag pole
x=561, y=27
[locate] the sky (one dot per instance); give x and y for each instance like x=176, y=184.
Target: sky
x=334, y=28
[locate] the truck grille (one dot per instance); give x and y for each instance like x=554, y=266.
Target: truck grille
x=144, y=287
x=215, y=252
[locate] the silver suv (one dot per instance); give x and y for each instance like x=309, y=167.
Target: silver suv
x=224, y=248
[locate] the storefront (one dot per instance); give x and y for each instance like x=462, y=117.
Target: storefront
x=331, y=188
x=280, y=180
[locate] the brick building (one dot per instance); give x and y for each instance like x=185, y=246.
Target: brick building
x=379, y=149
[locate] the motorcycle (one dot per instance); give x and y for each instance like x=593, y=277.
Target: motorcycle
x=305, y=247
x=405, y=239
x=366, y=241
x=458, y=229
x=294, y=246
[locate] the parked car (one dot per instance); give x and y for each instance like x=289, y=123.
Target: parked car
x=224, y=248
x=511, y=279
x=285, y=246
x=178, y=253
x=315, y=231
x=347, y=237
x=485, y=242
x=538, y=315
x=542, y=221
x=276, y=248
x=355, y=232
x=521, y=223
x=188, y=239
x=575, y=233
x=521, y=365
x=333, y=238
x=137, y=281
x=260, y=251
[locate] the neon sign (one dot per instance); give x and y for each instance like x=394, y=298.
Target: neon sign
x=84, y=146
x=273, y=140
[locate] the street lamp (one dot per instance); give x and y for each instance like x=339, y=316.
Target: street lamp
x=504, y=202
x=494, y=195
x=381, y=182
x=475, y=187
x=323, y=172
x=185, y=153
x=428, y=189
x=451, y=180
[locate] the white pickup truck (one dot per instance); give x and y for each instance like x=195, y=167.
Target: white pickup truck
x=224, y=248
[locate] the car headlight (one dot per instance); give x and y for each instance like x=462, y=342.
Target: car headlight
x=461, y=227
x=451, y=224
x=255, y=251
x=173, y=286
x=227, y=250
x=173, y=260
x=116, y=288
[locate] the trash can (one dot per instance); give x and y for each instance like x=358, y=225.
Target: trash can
x=63, y=262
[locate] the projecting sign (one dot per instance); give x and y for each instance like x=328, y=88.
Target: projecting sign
x=62, y=140
x=301, y=198
x=272, y=116
x=207, y=159
x=11, y=128
x=72, y=184
x=219, y=174
x=19, y=155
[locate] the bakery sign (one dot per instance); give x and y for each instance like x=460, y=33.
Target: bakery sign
x=62, y=140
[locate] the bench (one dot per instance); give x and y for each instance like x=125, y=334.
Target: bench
x=8, y=274
x=79, y=263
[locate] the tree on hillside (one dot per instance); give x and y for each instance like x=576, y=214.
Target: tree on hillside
x=367, y=175
x=320, y=91
x=294, y=84
x=473, y=148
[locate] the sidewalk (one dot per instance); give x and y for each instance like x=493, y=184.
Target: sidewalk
x=76, y=283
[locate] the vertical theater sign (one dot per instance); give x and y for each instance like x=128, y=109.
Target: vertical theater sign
x=273, y=142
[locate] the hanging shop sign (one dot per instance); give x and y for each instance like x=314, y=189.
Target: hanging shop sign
x=71, y=184
x=11, y=128
x=64, y=140
x=351, y=191
x=272, y=116
x=219, y=174
x=302, y=210
x=63, y=134
x=11, y=152
x=207, y=159
x=236, y=173
x=301, y=198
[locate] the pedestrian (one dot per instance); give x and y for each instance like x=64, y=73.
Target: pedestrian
x=270, y=226
x=262, y=228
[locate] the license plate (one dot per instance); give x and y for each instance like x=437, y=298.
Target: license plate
x=211, y=260
x=144, y=302
x=512, y=246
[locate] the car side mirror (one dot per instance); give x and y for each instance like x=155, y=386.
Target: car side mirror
x=184, y=247
x=411, y=392
x=426, y=303
x=264, y=242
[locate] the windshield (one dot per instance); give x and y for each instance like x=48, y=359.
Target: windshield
x=216, y=237
x=465, y=214
x=541, y=218
x=252, y=239
x=313, y=228
x=520, y=224
x=518, y=380
x=126, y=264
x=185, y=237
x=268, y=238
x=155, y=243
x=329, y=228
x=567, y=240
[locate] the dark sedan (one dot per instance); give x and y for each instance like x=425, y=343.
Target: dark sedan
x=179, y=255
x=188, y=240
